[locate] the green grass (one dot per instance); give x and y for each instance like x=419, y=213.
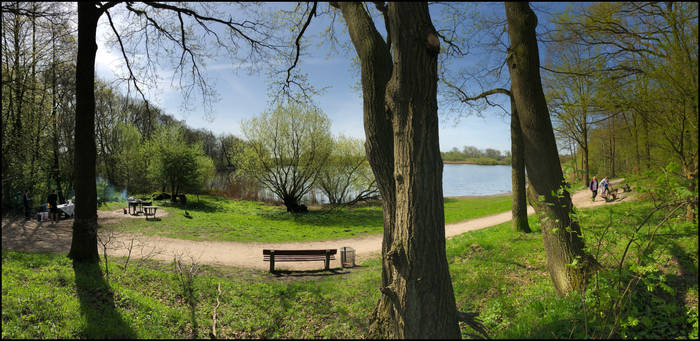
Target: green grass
x=217, y=218
x=41, y=299
x=495, y=271
x=458, y=209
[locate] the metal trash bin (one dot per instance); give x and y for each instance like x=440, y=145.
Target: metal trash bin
x=347, y=257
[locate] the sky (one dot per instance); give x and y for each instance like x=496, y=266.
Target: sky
x=243, y=96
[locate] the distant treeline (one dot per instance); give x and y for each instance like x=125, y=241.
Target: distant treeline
x=474, y=155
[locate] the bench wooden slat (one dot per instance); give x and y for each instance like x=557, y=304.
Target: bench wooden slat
x=300, y=252
x=293, y=259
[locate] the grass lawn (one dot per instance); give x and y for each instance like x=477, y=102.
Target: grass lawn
x=221, y=219
x=495, y=271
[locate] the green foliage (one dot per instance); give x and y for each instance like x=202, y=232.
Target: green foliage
x=287, y=147
x=473, y=155
x=347, y=176
x=175, y=164
x=642, y=60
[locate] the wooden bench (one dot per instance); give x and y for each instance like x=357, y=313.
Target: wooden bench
x=273, y=256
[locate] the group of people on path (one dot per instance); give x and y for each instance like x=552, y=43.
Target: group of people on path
x=604, y=187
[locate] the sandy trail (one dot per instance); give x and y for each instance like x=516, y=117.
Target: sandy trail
x=31, y=235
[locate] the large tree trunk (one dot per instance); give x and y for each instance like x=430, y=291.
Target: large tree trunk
x=560, y=233
x=400, y=112
x=584, y=149
x=519, y=208
x=54, y=114
x=647, y=141
x=611, y=130
x=586, y=169
x=84, y=244
x=293, y=205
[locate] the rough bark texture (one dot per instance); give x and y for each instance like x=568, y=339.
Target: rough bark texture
x=84, y=243
x=400, y=113
x=519, y=208
x=54, y=115
x=551, y=201
x=584, y=149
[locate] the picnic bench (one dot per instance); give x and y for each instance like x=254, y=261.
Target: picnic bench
x=150, y=211
x=138, y=205
x=273, y=256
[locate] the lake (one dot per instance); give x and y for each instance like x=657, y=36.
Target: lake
x=463, y=179
x=457, y=180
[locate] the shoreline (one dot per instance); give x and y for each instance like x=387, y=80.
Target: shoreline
x=478, y=196
x=473, y=163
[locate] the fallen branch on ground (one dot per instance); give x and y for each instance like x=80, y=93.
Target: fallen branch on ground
x=213, y=325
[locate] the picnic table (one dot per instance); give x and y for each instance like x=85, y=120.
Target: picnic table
x=150, y=211
x=67, y=209
x=138, y=203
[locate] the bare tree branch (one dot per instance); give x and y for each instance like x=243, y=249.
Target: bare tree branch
x=298, y=40
x=126, y=59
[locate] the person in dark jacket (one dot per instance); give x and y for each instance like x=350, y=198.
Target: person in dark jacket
x=27, y=204
x=53, y=206
x=593, y=186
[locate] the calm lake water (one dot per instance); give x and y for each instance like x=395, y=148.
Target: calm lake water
x=460, y=180
x=457, y=180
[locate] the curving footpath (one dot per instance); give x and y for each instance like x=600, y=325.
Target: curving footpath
x=34, y=236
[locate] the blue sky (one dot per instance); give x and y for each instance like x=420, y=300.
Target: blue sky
x=243, y=96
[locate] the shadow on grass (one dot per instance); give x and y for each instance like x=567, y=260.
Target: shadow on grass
x=97, y=304
x=310, y=273
x=687, y=277
x=195, y=206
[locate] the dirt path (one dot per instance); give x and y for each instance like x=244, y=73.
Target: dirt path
x=34, y=236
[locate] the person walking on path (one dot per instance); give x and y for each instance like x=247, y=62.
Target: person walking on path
x=593, y=186
x=53, y=206
x=604, y=190
x=27, y=204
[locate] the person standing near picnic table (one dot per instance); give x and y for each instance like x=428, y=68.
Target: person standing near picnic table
x=593, y=186
x=27, y=204
x=53, y=206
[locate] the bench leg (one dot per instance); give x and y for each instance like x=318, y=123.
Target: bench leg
x=328, y=261
x=272, y=263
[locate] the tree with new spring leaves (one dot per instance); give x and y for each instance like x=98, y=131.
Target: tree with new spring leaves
x=177, y=165
x=347, y=178
x=287, y=148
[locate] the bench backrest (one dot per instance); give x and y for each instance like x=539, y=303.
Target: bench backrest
x=300, y=252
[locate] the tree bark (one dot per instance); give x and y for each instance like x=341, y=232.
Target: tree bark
x=647, y=141
x=400, y=115
x=54, y=114
x=584, y=149
x=519, y=208
x=612, y=147
x=84, y=244
x=546, y=192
